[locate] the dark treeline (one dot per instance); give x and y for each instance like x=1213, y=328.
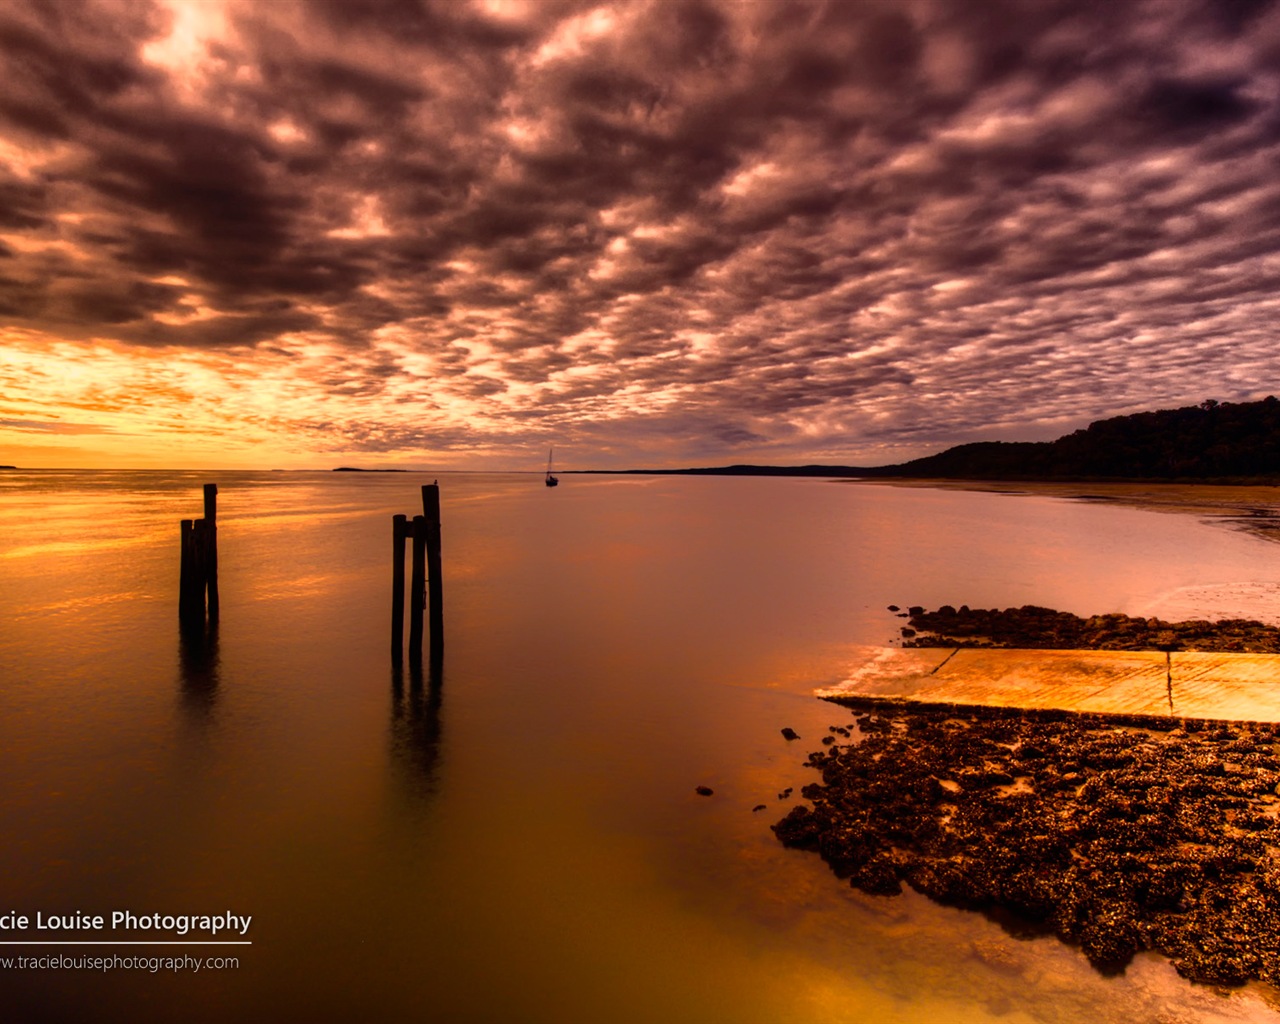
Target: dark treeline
x=1220, y=441
x=1210, y=441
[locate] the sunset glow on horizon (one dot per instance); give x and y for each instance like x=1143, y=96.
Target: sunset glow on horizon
x=658, y=234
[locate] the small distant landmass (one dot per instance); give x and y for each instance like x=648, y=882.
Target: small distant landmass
x=357, y=469
x=8, y=467
x=1214, y=441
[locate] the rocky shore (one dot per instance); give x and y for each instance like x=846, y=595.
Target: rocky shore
x=1116, y=838
x=1116, y=834
x=1045, y=628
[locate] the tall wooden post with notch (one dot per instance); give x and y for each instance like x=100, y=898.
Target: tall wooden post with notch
x=198, y=575
x=435, y=596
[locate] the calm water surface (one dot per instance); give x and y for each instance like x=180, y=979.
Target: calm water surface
x=516, y=837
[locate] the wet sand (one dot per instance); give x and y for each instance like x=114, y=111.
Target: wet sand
x=1254, y=508
x=1181, y=684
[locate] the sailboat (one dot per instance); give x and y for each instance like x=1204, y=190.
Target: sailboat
x=551, y=480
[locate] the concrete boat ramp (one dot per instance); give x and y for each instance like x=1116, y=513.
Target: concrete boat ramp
x=1181, y=684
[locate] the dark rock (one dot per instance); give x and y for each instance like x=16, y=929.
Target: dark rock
x=1034, y=627
x=1111, y=939
x=876, y=876
x=800, y=828
x=790, y=733
x=759, y=807
x=704, y=790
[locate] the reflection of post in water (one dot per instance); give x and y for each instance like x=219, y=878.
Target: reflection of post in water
x=415, y=721
x=198, y=664
x=1169, y=645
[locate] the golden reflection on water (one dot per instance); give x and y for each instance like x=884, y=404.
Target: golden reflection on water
x=70, y=548
x=515, y=834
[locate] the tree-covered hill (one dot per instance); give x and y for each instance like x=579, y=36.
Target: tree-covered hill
x=1213, y=440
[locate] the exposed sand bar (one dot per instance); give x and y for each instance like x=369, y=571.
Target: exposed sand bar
x=1184, y=684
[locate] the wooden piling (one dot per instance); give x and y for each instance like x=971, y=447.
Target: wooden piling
x=198, y=572
x=187, y=573
x=200, y=545
x=435, y=602
x=424, y=582
x=417, y=587
x=210, y=558
x=399, y=530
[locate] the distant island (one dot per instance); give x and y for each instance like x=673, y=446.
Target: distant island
x=1221, y=442
x=8, y=467
x=356, y=469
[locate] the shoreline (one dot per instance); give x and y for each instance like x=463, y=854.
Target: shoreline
x=1115, y=836
x=1117, y=833
x=1251, y=507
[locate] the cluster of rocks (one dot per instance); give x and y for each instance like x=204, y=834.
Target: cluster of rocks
x=1116, y=838
x=1035, y=627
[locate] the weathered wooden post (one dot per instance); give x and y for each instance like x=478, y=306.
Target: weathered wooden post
x=399, y=530
x=199, y=566
x=187, y=576
x=435, y=604
x=417, y=588
x=211, y=547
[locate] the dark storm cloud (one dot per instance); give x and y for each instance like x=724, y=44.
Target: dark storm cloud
x=792, y=228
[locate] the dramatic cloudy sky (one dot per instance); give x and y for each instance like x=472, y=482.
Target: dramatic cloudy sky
x=450, y=234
